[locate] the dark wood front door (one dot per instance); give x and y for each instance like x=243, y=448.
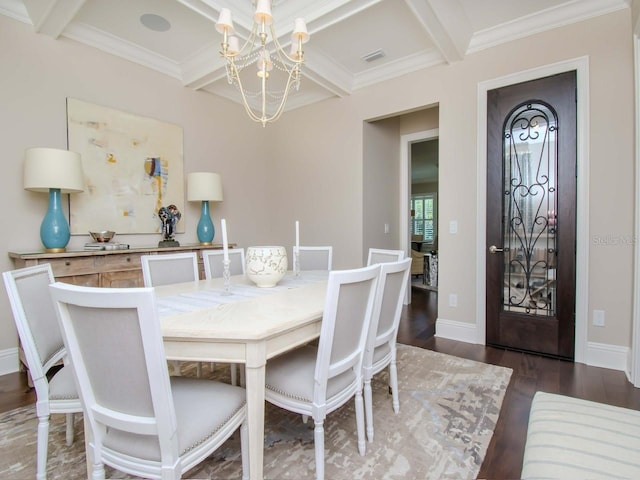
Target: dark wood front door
x=531, y=216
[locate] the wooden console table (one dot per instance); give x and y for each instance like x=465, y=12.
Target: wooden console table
x=103, y=268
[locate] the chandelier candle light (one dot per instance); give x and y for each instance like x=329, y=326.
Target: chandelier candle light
x=255, y=51
x=204, y=187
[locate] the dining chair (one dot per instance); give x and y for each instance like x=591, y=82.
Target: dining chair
x=165, y=269
x=316, y=380
x=313, y=258
x=140, y=420
x=43, y=347
x=380, y=350
x=213, y=267
x=380, y=255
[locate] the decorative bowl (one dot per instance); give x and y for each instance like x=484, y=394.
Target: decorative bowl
x=266, y=266
x=102, y=237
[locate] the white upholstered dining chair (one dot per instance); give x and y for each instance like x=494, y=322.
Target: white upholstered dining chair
x=213, y=267
x=313, y=258
x=41, y=340
x=380, y=350
x=165, y=269
x=314, y=381
x=380, y=255
x=141, y=421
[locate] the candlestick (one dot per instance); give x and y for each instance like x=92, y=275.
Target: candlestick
x=225, y=245
x=296, y=252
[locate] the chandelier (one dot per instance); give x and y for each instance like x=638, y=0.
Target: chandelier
x=255, y=52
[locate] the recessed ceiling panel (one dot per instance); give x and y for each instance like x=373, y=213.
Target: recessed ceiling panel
x=188, y=32
x=388, y=25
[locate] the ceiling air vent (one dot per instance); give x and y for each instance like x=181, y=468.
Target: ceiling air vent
x=370, y=57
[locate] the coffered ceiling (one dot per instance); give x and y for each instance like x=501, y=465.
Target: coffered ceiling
x=178, y=37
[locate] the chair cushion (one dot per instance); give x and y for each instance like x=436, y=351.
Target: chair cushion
x=202, y=407
x=292, y=375
x=62, y=385
x=573, y=438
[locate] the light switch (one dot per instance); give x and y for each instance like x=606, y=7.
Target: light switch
x=386, y=228
x=453, y=226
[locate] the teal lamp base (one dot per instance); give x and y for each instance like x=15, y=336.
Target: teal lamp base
x=205, y=225
x=54, y=230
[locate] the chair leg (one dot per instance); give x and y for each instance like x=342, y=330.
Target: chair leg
x=244, y=450
x=70, y=430
x=393, y=384
x=368, y=408
x=43, y=445
x=318, y=440
x=234, y=374
x=362, y=445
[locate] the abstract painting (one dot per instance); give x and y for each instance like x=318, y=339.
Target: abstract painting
x=133, y=165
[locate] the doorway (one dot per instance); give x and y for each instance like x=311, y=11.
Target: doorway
x=531, y=216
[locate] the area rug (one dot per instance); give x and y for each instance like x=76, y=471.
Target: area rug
x=448, y=410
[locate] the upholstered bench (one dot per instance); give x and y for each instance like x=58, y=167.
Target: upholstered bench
x=569, y=438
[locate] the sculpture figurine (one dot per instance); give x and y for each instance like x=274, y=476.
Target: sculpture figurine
x=169, y=216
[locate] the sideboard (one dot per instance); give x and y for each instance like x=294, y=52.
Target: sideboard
x=103, y=268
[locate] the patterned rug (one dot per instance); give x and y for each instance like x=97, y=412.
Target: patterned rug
x=448, y=410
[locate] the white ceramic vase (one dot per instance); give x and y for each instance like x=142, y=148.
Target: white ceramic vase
x=266, y=266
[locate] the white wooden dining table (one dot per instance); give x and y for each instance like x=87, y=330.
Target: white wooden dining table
x=250, y=326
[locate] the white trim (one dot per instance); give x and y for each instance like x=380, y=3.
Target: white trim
x=634, y=360
x=459, y=331
x=581, y=65
x=405, y=188
x=9, y=361
x=607, y=356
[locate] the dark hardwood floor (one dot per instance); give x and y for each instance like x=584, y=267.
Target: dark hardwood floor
x=530, y=374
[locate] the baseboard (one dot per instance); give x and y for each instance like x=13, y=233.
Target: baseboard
x=596, y=355
x=453, y=330
x=9, y=361
x=607, y=356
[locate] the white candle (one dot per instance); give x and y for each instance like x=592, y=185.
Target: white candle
x=225, y=246
x=297, y=234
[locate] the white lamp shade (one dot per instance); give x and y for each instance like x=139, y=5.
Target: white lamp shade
x=300, y=31
x=224, y=21
x=234, y=45
x=46, y=168
x=263, y=12
x=204, y=186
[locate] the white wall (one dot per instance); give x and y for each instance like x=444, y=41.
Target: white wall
x=455, y=89
x=38, y=73
x=309, y=165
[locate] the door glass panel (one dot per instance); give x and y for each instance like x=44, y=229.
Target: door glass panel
x=529, y=210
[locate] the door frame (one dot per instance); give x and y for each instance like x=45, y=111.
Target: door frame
x=634, y=373
x=405, y=188
x=581, y=65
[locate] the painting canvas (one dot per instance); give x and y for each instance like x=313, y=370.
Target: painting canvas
x=132, y=165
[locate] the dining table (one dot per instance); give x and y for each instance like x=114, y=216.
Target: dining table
x=203, y=321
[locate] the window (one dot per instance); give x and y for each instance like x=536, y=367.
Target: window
x=424, y=221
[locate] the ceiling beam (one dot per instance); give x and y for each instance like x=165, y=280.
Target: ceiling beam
x=446, y=23
x=52, y=17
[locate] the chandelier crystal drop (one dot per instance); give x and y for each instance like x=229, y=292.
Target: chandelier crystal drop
x=264, y=55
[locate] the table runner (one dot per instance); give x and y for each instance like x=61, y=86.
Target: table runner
x=241, y=289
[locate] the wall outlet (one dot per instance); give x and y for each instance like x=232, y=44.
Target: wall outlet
x=598, y=318
x=453, y=300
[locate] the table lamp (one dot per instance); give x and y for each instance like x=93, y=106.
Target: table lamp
x=54, y=171
x=204, y=187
